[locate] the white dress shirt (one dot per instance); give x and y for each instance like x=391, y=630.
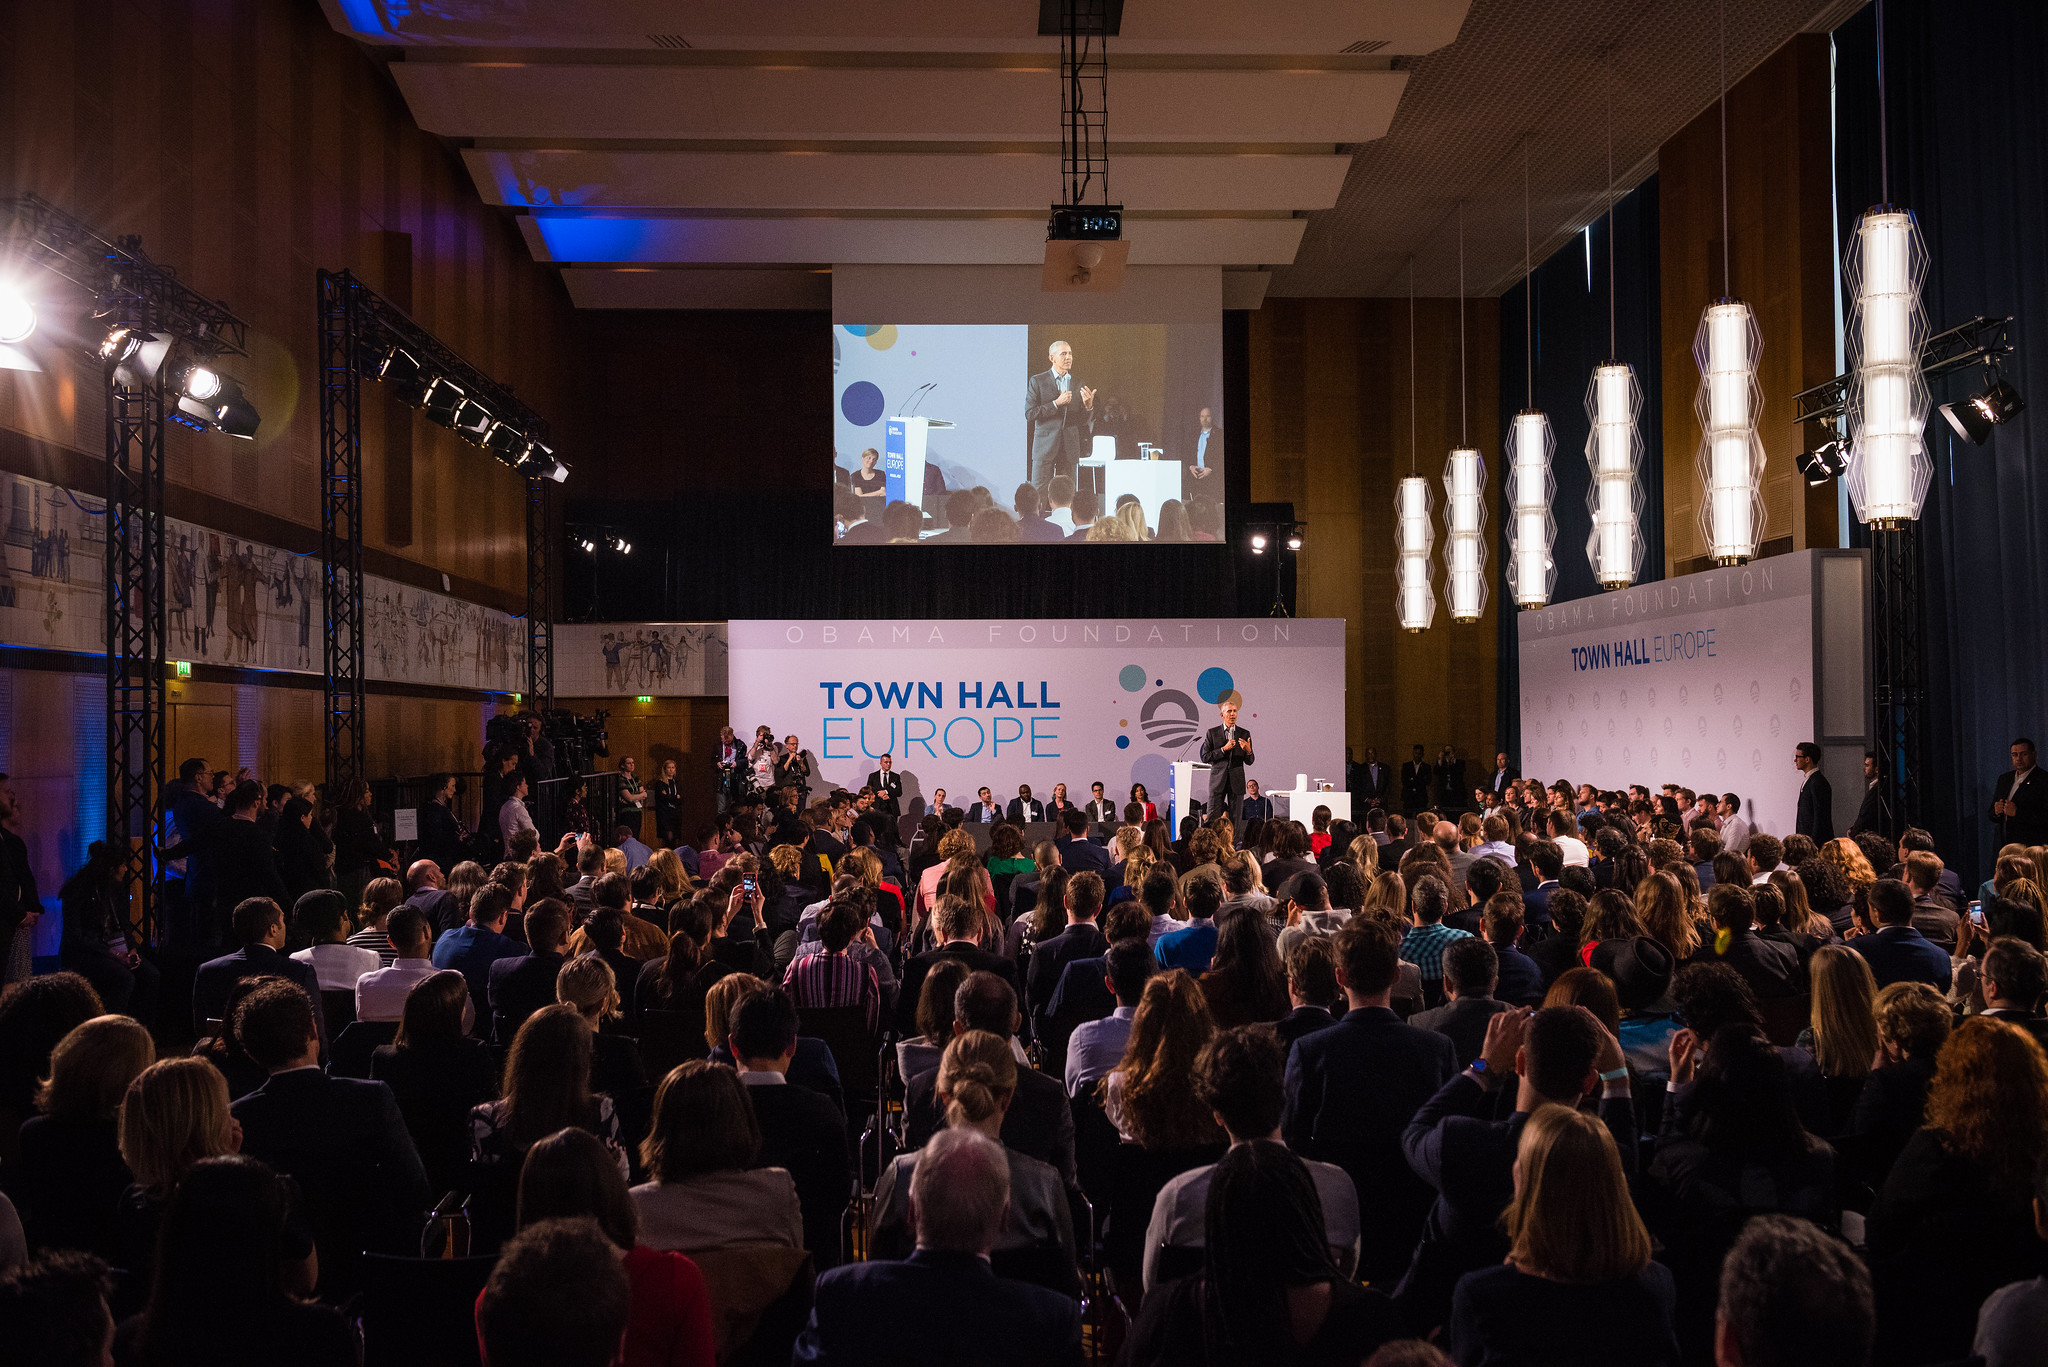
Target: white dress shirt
x=380, y=994
x=338, y=967
x=513, y=818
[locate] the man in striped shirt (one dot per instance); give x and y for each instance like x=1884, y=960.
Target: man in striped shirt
x=834, y=977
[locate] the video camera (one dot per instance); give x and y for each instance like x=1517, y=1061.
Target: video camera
x=578, y=740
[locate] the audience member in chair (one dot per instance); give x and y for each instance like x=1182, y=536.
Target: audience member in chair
x=234, y=1269
x=69, y=1177
x=259, y=924
x=919, y=1053
x=1082, y=939
x=943, y=1304
x=586, y=983
x=1240, y=1076
x=1578, y=1285
x=1146, y=1096
x=1770, y=967
x=1311, y=989
x=1518, y=978
x=1792, y=1295
x=381, y=994
x=1560, y=1055
x=1245, y=984
x=321, y=917
x=1471, y=972
x=958, y=926
x=1896, y=951
x=560, y=1296
x=1270, y=1289
x=342, y=1139
x=1353, y=1088
x=977, y=1081
x=53, y=1311
x=175, y=1114
x=1097, y=1046
x=547, y=1087
x=801, y=1132
x=472, y=949
x=1038, y=1122
x=570, y=1176
x=436, y=1071
x=707, y=1191
x=519, y=987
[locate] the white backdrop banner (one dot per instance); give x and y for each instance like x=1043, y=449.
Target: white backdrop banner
x=960, y=703
x=1708, y=681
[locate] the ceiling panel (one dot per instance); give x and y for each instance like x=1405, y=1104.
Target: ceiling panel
x=903, y=181
x=605, y=238
x=1149, y=26
x=515, y=101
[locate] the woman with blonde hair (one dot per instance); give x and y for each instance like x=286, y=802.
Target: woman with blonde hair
x=1843, y=1032
x=1954, y=1220
x=71, y=1175
x=977, y=1081
x=1147, y=1096
x=864, y=864
x=381, y=896
x=1666, y=915
x=720, y=999
x=1135, y=867
x=675, y=879
x=1800, y=917
x=1365, y=855
x=1847, y=856
x=1578, y=1255
x=463, y=881
x=587, y=983
x=174, y=1115
x=1387, y=899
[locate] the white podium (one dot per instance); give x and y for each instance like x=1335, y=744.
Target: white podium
x=903, y=448
x=1187, y=781
x=1300, y=802
x=1152, y=481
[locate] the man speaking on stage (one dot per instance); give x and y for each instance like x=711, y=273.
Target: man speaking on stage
x=1062, y=413
x=1227, y=750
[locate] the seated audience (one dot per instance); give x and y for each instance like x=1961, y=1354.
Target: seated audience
x=1792, y=1295
x=1770, y=967
x=1240, y=1076
x=570, y=1176
x=547, y=1088
x=1353, y=1088
x=1312, y=989
x=174, y=1115
x=472, y=949
x=1842, y=1034
x=1471, y=972
x=1038, y=1122
x=1913, y=1022
x=436, y=1072
x=1245, y=984
x=1578, y=1286
x=523, y=985
x=924, y=1310
x=706, y=1191
x=1193, y=946
x=259, y=925
x=801, y=1132
x=381, y=896
x=1270, y=1289
x=919, y=1053
x=834, y=977
x=321, y=919
x=1896, y=951
x=1954, y=1220
x=1097, y=1046
x=1518, y=979
x=586, y=983
x=560, y=1296
x=70, y=1174
x=381, y=993
x=1146, y=1095
x=34, y=1016
x=53, y=1311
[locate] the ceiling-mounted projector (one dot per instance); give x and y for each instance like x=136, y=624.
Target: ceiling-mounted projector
x=1084, y=250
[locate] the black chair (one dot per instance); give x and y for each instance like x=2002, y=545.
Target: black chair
x=669, y=1038
x=421, y=1312
x=1175, y=1261
x=846, y=1033
x=349, y=1054
x=338, y=1004
x=1785, y=1017
x=1096, y=1143
x=1045, y=1265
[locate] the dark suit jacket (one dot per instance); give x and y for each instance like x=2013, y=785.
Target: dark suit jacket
x=1816, y=809
x=1463, y=1022
x=1351, y=1092
x=1468, y=1159
x=1019, y=813
x=520, y=987
x=1770, y=967
x=2028, y=826
x=888, y=793
x=245, y=864
x=1872, y=816
x=804, y=1134
x=1255, y=809
x=1039, y=1123
x=987, y=814
x=1497, y=782
x=1104, y=810
x=927, y=1309
x=1302, y=1020
x=976, y=958
x=440, y=836
x=1081, y=855
x=1416, y=776
x=217, y=978
x=346, y=1143
x=1056, y=429
x=1082, y=940
x=1521, y=978
x=1903, y=954
x=1226, y=775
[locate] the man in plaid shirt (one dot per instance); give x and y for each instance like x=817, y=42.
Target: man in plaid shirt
x=1425, y=942
x=833, y=977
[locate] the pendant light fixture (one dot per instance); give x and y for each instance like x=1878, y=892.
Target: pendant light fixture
x=1614, y=445
x=1414, y=531
x=1532, y=571
x=1464, y=492
x=1882, y=271
x=1727, y=347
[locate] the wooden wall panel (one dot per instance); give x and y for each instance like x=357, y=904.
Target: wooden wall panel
x=1330, y=433
x=682, y=729
x=1782, y=258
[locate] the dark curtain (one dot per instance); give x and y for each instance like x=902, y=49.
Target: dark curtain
x=1571, y=335
x=1969, y=156
x=768, y=552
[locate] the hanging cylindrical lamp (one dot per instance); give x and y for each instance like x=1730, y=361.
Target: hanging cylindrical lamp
x=1614, y=452
x=1465, y=534
x=1731, y=459
x=1889, y=468
x=1532, y=573
x=1414, y=538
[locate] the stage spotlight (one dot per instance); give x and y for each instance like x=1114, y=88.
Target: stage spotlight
x=1258, y=542
x=17, y=316
x=587, y=544
x=401, y=370
x=232, y=411
x=200, y=382
x=1995, y=406
x=557, y=472
x=121, y=342
x=473, y=421
x=507, y=441
x=619, y=544
x=442, y=399
x=1294, y=542
x=1968, y=420
x=1823, y=463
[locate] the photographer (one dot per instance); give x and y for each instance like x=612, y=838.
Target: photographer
x=793, y=770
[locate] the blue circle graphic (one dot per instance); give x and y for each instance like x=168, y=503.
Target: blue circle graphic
x=1123, y=742
x=1213, y=683
x=861, y=403
x=1131, y=677
x=862, y=329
